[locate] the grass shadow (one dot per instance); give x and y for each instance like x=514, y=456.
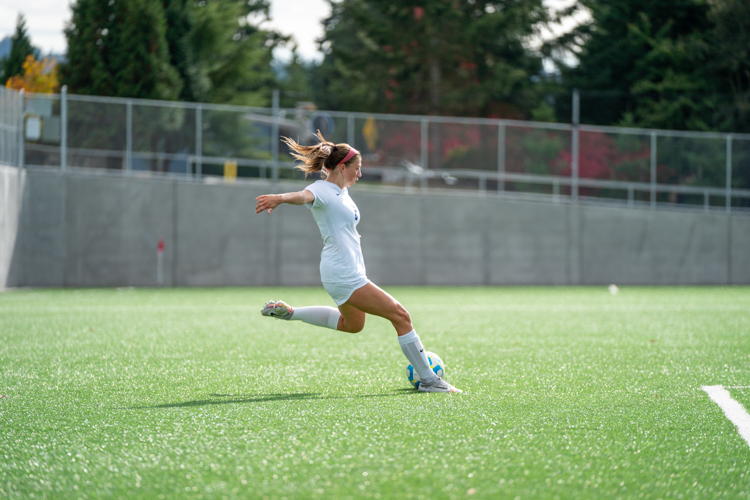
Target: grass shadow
x=224, y=399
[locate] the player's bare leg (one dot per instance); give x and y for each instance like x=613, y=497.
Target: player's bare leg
x=373, y=300
x=352, y=320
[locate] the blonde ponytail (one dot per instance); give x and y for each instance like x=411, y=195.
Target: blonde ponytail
x=318, y=157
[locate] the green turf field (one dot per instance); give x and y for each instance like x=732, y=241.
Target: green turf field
x=569, y=393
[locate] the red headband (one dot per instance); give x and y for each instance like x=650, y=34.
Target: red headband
x=348, y=156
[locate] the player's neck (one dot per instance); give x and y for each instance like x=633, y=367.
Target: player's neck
x=336, y=179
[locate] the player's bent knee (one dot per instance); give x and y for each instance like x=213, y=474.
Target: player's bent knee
x=352, y=326
x=401, y=315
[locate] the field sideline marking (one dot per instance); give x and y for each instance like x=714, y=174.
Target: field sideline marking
x=734, y=411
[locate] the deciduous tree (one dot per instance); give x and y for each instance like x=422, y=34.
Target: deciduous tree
x=38, y=76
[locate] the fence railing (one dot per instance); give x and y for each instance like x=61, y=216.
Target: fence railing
x=205, y=141
x=11, y=113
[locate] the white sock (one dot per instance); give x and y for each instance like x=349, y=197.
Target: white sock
x=325, y=316
x=414, y=352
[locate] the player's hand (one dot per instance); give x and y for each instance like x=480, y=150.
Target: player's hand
x=267, y=202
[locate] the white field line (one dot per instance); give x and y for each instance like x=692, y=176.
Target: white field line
x=734, y=411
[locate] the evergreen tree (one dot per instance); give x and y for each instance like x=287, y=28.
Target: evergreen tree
x=730, y=63
x=672, y=64
x=220, y=56
x=20, y=49
x=119, y=49
x=642, y=63
x=180, y=22
x=233, y=56
x=293, y=80
x=462, y=57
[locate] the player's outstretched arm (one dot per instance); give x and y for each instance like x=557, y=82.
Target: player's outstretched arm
x=270, y=201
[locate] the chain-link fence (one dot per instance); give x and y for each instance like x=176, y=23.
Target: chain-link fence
x=10, y=127
x=507, y=157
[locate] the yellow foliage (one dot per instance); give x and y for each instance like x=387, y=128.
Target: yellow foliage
x=38, y=76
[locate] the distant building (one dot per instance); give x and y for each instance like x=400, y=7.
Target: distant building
x=5, y=44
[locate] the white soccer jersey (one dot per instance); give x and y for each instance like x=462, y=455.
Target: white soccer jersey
x=341, y=260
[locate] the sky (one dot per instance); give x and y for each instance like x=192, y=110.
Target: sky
x=45, y=20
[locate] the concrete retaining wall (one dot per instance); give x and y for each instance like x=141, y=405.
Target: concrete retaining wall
x=80, y=230
x=11, y=191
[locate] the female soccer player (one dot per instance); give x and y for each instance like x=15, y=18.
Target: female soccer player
x=342, y=268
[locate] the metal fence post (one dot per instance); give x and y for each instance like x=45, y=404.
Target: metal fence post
x=423, y=144
x=275, y=138
x=64, y=129
x=350, y=129
x=4, y=121
x=128, y=137
x=501, y=156
x=198, y=141
x=4, y=150
x=7, y=119
x=575, y=145
x=423, y=151
x=729, y=173
x=21, y=131
x=653, y=169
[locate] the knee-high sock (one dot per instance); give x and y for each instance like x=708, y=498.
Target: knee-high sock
x=325, y=316
x=414, y=352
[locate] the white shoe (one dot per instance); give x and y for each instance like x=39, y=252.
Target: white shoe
x=277, y=309
x=438, y=385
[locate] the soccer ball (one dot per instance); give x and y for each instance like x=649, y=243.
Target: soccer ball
x=435, y=363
